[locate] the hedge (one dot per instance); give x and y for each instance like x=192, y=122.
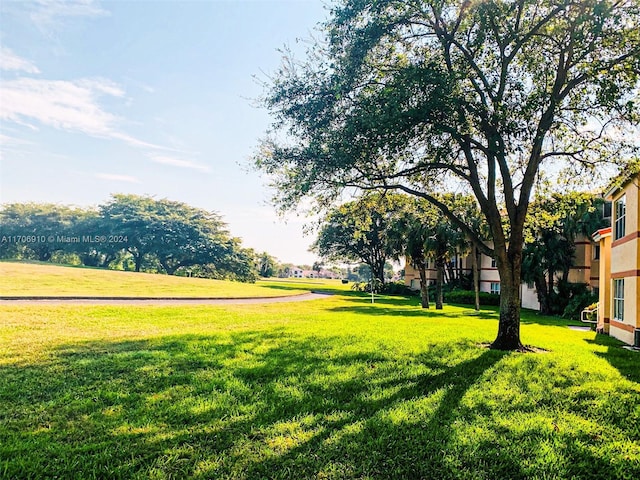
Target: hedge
x=468, y=297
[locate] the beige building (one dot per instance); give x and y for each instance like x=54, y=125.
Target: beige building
x=585, y=269
x=620, y=299
x=586, y=264
x=488, y=273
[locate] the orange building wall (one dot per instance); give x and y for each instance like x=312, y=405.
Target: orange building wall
x=625, y=262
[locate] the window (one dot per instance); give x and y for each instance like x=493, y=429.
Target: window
x=495, y=287
x=621, y=210
x=618, y=299
x=493, y=263
x=596, y=252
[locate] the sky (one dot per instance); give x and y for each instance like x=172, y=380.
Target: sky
x=149, y=97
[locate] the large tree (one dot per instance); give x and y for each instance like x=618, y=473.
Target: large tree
x=426, y=95
x=267, y=265
x=36, y=230
x=173, y=233
x=362, y=230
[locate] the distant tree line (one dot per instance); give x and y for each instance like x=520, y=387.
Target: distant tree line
x=129, y=232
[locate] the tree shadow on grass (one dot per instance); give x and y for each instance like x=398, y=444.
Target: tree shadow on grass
x=409, y=307
x=626, y=361
x=251, y=404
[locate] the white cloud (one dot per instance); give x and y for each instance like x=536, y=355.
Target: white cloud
x=47, y=14
x=177, y=162
x=7, y=140
x=60, y=104
x=10, y=61
x=117, y=178
x=66, y=105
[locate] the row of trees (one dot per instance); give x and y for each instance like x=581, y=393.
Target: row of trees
x=381, y=227
x=425, y=96
x=129, y=231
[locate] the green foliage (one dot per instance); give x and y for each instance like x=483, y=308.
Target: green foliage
x=267, y=265
x=362, y=230
x=389, y=288
x=579, y=298
x=554, y=224
x=373, y=284
x=128, y=232
x=396, y=288
x=35, y=231
x=468, y=297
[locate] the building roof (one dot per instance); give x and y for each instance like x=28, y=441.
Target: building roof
x=598, y=234
x=631, y=170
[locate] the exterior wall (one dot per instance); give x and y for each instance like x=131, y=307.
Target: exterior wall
x=529, y=297
x=329, y=274
x=585, y=268
x=412, y=276
x=604, y=295
x=488, y=273
x=625, y=262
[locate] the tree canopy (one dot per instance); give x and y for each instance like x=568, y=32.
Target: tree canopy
x=428, y=96
x=363, y=230
x=162, y=234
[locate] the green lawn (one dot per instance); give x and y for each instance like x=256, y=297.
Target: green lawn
x=39, y=279
x=335, y=388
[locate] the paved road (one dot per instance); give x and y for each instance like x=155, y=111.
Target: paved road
x=157, y=301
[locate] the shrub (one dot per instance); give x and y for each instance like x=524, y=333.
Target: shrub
x=578, y=303
x=468, y=297
x=391, y=288
x=396, y=288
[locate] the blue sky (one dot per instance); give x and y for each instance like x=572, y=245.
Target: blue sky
x=147, y=97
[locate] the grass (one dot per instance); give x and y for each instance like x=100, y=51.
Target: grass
x=39, y=279
x=335, y=388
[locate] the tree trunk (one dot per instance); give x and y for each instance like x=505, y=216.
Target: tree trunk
x=378, y=271
x=450, y=272
x=543, y=295
x=476, y=275
x=509, y=267
x=551, y=282
x=170, y=269
x=107, y=259
x=424, y=287
x=439, y=280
